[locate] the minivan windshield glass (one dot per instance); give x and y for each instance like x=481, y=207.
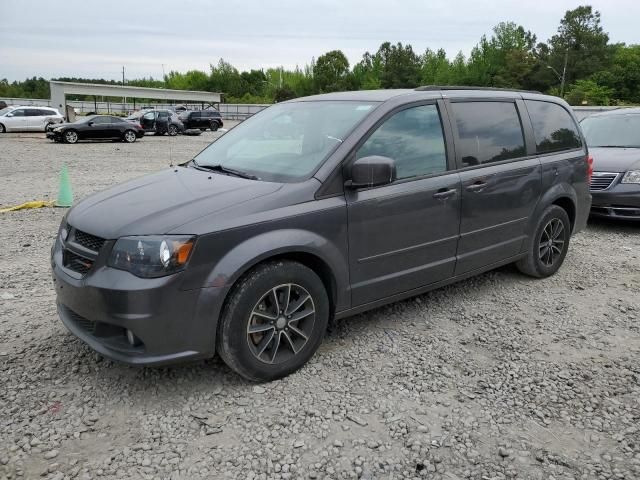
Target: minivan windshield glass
x=285, y=142
x=612, y=130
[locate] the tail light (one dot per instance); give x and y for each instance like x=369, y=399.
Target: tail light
x=589, y=167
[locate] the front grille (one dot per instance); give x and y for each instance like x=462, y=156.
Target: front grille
x=88, y=241
x=75, y=262
x=85, y=324
x=602, y=180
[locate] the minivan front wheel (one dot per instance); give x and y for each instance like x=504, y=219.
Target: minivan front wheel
x=274, y=321
x=550, y=244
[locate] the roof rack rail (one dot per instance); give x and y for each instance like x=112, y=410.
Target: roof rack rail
x=427, y=88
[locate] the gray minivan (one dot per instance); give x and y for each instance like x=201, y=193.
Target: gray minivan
x=320, y=207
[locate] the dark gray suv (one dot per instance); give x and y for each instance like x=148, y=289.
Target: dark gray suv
x=320, y=207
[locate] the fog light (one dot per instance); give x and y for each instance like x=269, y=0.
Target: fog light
x=132, y=339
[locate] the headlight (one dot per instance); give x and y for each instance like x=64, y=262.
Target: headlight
x=151, y=256
x=632, y=176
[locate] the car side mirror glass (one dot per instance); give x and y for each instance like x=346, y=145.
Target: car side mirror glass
x=372, y=171
x=90, y=124
x=9, y=114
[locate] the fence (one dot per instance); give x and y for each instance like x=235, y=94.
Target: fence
x=229, y=111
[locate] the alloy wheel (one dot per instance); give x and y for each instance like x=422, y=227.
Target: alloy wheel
x=281, y=323
x=129, y=136
x=71, y=137
x=552, y=240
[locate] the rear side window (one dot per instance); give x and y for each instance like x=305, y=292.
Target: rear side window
x=553, y=127
x=33, y=112
x=488, y=132
x=413, y=138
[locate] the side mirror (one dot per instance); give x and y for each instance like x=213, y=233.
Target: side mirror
x=9, y=114
x=372, y=171
x=90, y=124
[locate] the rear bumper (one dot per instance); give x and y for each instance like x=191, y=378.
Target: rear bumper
x=622, y=201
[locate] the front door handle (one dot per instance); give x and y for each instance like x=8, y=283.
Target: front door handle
x=444, y=193
x=477, y=186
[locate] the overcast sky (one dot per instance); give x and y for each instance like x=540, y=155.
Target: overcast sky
x=87, y=38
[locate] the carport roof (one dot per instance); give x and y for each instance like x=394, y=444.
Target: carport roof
x=137, y=92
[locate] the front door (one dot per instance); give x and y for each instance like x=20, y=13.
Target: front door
x=501, y=185
x=404, y=235
x=15, y=120
x=148, y=121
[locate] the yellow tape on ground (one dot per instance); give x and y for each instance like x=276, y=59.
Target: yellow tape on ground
x=26, y=205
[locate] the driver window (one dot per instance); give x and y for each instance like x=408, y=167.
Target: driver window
x=413, y=138
x=18, y=113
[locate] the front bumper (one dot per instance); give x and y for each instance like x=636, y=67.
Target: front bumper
x=621, y=201
x=55, y=136
x=99, y=307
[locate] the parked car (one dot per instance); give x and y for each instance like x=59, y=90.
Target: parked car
x=202, y=119
x=248, y=249
x=614, y=141
x=158, y=121
x=28, y=119
x=97, y=127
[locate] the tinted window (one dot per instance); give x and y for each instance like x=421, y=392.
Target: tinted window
x=116, y=120
x=163, y=115
x=32, y=112
x=488, y=132
x=553, y=127
x=413, y=138
x=100, y=120
x=19, y=112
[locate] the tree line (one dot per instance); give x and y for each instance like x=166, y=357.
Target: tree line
x=578, y=63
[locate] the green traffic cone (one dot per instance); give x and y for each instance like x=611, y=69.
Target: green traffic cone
x=65, y=194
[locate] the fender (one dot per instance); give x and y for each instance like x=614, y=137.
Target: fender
x=249, y=252
x=560, y=190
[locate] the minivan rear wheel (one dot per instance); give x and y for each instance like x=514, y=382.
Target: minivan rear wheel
x=274, y=321
x=550, y=244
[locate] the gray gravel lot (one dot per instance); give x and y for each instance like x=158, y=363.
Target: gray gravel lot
x=500, y=376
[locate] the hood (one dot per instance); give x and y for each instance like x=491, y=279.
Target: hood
x=162, y=202
x=615, y=159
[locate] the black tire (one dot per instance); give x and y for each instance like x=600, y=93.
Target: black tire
x=46, y=127
x=70, y=136
x=172, y=130
x=238, y=347
x=549, y=244
x=214, y=126
x=2, y=129
x=129, y=136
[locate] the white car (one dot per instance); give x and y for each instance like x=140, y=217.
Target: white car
x=28, y=119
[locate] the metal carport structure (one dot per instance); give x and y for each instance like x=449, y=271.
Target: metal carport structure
x=60, y=90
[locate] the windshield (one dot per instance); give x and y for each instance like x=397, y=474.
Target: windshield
x=285, y=142
x=6, y=110
x=612, y=130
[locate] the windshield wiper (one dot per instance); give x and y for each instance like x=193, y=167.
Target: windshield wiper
x=223, y=169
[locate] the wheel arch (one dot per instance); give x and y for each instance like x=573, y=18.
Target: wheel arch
x=303, y=246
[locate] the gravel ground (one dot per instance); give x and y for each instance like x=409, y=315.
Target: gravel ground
x=500, y=376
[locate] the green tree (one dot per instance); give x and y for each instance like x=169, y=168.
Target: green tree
x=588, y=92
x=582, y=43
x=400, y=66
x=331, y=71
